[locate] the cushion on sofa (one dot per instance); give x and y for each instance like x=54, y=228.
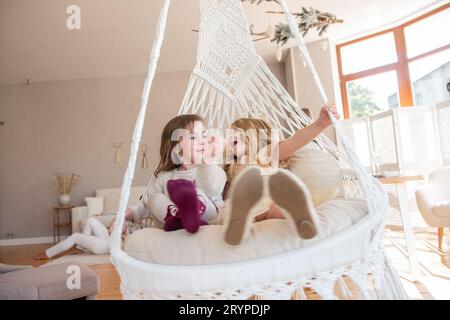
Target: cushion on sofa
x=266, y=238
x=112, y=197
x=94, y=205
x=111, y=204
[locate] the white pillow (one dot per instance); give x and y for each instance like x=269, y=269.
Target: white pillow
x=112, y=198
x=94, y=205
x=111, y=205
x=319, y=171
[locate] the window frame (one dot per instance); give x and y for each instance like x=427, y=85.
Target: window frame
x=406, y=97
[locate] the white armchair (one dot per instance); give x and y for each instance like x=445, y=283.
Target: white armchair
x=433, y=201
x=110, y=205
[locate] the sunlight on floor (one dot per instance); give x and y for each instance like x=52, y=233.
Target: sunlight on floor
x=434, y=282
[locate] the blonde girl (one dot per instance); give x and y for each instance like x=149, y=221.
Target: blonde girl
x=282, y=190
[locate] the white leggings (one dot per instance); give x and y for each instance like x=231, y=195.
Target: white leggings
x=94, y=237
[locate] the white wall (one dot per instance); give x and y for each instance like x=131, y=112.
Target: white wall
x=300, y=84
x=70, y=125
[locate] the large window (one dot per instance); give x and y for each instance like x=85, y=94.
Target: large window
x=399, y=67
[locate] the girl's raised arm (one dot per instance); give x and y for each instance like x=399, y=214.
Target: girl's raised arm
x=307, y=134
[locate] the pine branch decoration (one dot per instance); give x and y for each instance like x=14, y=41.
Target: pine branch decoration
x=308, y=19
x=259, y=1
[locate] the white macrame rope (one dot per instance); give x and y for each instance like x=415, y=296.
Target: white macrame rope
x=374, y=197
x=323, y=283
x=233, y=81
x=303, y=49
x=115, y=242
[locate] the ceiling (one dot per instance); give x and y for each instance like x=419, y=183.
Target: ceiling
x=116, y=35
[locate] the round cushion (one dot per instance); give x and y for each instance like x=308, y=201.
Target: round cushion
x=319, y=171
x=266, y=238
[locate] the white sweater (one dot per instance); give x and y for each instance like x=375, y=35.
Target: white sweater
x=209, y=179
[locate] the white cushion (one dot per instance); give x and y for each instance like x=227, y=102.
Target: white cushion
x=319, y=171
x=94, y=205
x=112, y=198
x=111, y=205
x=267, y=238
x=442, y=208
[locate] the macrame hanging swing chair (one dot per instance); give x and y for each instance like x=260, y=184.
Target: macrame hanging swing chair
x=231, y=81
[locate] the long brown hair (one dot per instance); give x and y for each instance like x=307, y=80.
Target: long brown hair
x=165, y=151
x=257, y=125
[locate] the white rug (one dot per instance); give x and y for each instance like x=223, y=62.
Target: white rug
x=86, y=259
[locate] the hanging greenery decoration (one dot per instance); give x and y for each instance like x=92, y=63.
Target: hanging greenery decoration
x=307, y=19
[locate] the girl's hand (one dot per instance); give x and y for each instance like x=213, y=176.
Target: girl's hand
x=111, y=227
x=129, y=215
x=304, y=136
x=324, y=120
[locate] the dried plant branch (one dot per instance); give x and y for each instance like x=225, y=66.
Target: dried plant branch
x=260, y=1
x=65, y=183
x=308, y=19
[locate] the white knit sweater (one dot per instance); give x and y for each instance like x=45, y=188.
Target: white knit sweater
x=209, y=179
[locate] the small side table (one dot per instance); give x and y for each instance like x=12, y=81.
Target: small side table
x=400, y=182
x=57, y=225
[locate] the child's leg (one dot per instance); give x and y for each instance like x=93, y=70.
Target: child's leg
x=184, y=195
x=189, y=204
x=62, y=246
x=161, y=206
x=172, y=221
x=246, y=191
x=93, y=227
x=291, y=194
x=94, y=244
x=273, y=213
x=210, y=210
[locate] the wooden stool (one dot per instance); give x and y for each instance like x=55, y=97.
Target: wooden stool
x=58, y=225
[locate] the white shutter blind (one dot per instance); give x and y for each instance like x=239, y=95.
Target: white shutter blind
x=418, y=142
x=357, y=131
x=443, y=120
x=384, y=140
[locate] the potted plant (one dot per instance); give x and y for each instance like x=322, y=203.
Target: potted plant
x=64, y=184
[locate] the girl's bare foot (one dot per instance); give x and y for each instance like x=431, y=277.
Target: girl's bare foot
x=75, y=250
x=41, y=256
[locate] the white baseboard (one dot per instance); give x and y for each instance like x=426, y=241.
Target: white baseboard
x=24, y=241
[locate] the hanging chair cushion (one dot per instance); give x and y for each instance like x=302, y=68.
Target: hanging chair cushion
x=319, y=171
x=266, y=238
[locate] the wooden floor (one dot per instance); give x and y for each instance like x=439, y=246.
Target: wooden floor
x=109, y=279
x=434, y=284
x=109, y=282
x=23, y=255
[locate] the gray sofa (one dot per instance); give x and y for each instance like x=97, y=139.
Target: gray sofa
x=47, y=282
